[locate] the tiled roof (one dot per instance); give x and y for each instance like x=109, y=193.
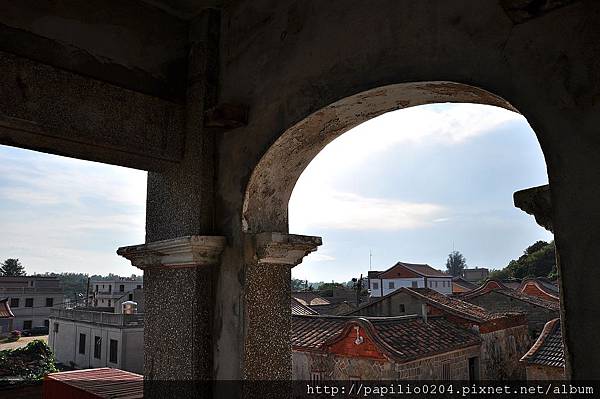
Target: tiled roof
x=420, y=269
x=99, y=383
x=529, y=299
x=548, y=349
x=454, y=305
x=446, y=303
x=464, y=283
x=309, y=298
x=401, y=338
x=299, y=308
x=5, y=312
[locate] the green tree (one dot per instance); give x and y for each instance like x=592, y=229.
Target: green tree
x=12, y=267
x=456, y=263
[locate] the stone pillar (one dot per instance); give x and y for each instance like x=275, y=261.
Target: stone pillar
x=267, y=311
x=179, y=304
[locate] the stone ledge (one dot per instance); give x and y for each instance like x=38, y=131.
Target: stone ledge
x=284, y=249
x=188, y=251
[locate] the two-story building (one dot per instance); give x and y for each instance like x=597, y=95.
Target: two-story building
x=106, y=293
x=408, y=275
x=31, y=298
x=87, y=338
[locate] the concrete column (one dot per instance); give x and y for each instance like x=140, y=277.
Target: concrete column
x=179, y=302
x=267, y=312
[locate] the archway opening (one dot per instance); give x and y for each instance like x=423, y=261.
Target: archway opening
x=273, y=180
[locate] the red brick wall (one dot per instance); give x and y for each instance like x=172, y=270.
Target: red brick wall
x=347, y=346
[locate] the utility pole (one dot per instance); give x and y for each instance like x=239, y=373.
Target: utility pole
x=87, y=293
x=370, y=259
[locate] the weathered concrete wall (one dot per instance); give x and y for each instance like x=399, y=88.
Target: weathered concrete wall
x=501, y=351
x=334, y=367
x=537, y=316
x=542, y=373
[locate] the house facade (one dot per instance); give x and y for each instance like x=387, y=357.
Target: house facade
x=504, y=336
x=31, y=298
x=106, y=293
x=90, y=339
x=408, y=275
x=396, y=348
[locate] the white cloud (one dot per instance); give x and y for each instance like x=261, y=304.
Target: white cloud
x=322, y=207
x=318, y=201
x=447, y=124
x=319, y=257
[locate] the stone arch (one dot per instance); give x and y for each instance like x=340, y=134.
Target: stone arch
x=265, y=206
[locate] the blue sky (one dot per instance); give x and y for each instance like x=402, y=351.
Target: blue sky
x=408, y=185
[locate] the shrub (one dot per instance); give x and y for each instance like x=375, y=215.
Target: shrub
x=30, y=363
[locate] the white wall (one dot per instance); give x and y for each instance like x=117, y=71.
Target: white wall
x=65, y=345
x=442, y=284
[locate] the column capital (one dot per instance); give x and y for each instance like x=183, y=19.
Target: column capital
x=284, y=249
x=187, y=251
x=536, y=201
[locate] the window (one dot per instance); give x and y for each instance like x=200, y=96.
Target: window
x=138, y=286
x=49, y=302
x=402, y=308
x=46, y=323
x=391, y=285
x=28, y=302
x=27, y=325
x=114, y=344
x=446, y=375
x=109, y=289
x=96, y=287
x=95, y=302
x=435, y=283
x=55, y=327
x=375, y=286
x=82, y=344
x=414, y=284
x=121, y=288
x=14, y=302
x=97, y=347
x=109, y=303
x=130, y=297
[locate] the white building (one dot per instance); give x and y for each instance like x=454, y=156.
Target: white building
x=408, y=275
x=30, y=298
x=91, y=339
x=106, y=293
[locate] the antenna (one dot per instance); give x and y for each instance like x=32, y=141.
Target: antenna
x=370, y=257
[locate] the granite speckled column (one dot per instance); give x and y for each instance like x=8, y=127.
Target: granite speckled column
x=180, y=299
x=177, y=336
x=267, y=312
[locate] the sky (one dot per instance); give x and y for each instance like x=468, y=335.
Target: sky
x=409, y=186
